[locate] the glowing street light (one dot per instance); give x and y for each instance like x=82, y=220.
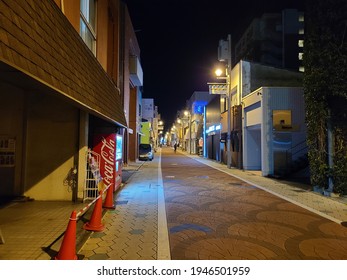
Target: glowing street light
x=218, y=72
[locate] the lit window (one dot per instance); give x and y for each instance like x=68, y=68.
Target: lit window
x=301, y=18
x=281, y=119
x=301, y=43
x=301, y=56
x=301, y=69
x=301, y=31
x=88, y=23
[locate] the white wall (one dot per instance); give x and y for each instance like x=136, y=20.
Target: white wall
x=258, y=124
x=252, y=120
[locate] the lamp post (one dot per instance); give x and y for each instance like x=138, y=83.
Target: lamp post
x=224, y=54
x=160, y=132
x=228, y=98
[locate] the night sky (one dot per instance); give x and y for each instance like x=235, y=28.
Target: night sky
x=179, y=39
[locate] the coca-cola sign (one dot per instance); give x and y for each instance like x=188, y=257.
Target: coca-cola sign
x=105, y=146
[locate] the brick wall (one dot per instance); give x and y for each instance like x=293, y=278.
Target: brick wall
x=37, y=39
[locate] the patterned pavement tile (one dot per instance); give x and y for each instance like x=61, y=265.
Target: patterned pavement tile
x=137, y=231
x=247, y=222
x=99, y=257
x=212, y=215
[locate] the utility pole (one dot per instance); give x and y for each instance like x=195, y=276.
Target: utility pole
x=224, y=54
x=229, y=103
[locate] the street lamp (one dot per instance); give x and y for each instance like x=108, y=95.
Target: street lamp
x=160, y=132
x=218, y=72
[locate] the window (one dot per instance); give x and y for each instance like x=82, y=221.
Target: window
x=88, y=23
x=301, y=43
x=223, y=104
x=281, y=119
x=301, y=56
x=301, y=31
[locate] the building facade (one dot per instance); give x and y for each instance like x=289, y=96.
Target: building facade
x=244, y=78
x=194, y=122
x=275, y=39
x=274, y=130
x=60, y=86
x=213, y=142
x=131, y=85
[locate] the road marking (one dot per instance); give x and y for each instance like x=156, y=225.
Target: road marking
x=163, y=252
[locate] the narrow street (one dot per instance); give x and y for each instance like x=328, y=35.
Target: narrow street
x=210, y=215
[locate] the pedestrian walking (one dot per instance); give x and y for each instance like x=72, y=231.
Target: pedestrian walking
x=175, y=147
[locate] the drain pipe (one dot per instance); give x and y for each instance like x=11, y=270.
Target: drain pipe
x=330, y=154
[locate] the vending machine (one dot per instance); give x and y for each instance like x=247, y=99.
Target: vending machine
x=119, y=160
x=109, y=147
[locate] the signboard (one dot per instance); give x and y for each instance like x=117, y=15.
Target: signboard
x=7, y=152
x=105, y=146
x=218, y=88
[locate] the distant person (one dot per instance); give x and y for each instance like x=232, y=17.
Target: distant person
x=175, y=147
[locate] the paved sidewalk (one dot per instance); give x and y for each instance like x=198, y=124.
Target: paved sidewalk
x=137, y=228
x=130, y=169
x=34, y=230
x=333, y=208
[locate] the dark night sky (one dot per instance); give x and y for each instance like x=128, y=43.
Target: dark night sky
x=179, y=39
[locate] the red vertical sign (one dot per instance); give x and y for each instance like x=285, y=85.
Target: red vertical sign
x=105, y=146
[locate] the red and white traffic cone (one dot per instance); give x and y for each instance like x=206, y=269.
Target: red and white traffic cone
x=95, y=223
x=68, y=246
x=109, y=202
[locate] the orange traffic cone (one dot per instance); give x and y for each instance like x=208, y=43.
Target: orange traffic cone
x=109, y=202
x=68, y=246
x=95, y=221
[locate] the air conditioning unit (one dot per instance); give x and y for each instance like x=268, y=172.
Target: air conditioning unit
x=223, y=50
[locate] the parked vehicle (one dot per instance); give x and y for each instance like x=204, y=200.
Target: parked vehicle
x=146, y=152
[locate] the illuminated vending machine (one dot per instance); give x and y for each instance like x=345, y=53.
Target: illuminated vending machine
x=109, y=147
x=119, y=160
